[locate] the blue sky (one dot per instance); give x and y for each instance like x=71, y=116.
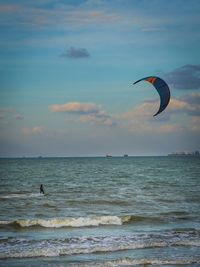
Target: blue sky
x=67, y=69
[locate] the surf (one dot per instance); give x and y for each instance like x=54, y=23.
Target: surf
x=93, y=221
x=25, y=248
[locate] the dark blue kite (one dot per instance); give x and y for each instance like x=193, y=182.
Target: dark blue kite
x=162, y=89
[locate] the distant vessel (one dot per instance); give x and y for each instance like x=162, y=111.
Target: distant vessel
x=125, y=156
x=108, y=156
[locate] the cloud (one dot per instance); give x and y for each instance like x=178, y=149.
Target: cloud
x=193, y=102
x=178, y=105
x=88, y=112
x=34, y=130
x=189, y=104
x=193, y=99
x=185, y=78
x=76, y=107
x=103, y=118
x=140, y=120
x=76, y=53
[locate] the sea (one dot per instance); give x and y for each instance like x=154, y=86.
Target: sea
x=98, y=211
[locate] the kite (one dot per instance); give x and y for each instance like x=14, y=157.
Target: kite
x=162, y=89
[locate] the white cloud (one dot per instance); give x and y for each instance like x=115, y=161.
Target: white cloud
x=176, y=105
x=140, y=120
x=189, y=104
x=88, y=112
x=76, y=107
x=104, y=119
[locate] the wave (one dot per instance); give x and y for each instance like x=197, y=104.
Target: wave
x=88, y=221
x=22, y=195
x=77, y=222
x=69, y=222
x=23, y=248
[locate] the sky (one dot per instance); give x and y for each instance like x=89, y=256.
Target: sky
x=67, y=70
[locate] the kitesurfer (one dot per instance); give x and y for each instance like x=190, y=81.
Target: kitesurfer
x=41, y=189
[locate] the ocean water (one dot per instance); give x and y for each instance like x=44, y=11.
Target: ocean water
x=135, y=211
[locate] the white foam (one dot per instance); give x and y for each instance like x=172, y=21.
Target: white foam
x=18, y=195
x=45, y=249
x=72, y=222
x=22, y=248
x=4, y=222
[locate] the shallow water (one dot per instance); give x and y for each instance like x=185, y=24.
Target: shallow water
x=100, y=211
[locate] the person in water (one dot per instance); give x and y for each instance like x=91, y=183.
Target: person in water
x=41, y=189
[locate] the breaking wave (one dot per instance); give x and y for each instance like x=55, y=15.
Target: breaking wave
x=24, y=248
x=69, y=222
x=88, y=221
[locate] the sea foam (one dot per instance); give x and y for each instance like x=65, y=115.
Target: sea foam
x=22, y=248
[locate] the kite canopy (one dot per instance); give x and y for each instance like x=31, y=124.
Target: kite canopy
x=162, y=89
